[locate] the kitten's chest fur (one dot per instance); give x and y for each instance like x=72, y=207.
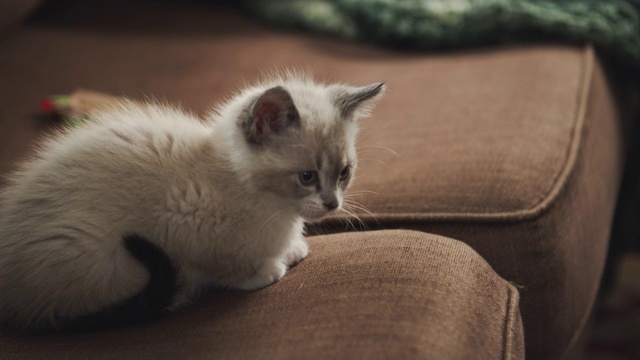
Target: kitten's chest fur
x=224, y=229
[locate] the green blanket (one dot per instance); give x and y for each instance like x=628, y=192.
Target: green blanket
x=611, y=25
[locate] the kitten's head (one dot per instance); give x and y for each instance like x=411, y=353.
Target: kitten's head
x=299, y=141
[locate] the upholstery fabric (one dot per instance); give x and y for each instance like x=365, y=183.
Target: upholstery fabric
x=375, y=295
x=500, y=150
x=515, y=151
x=552, y=242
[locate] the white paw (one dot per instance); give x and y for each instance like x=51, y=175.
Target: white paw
x=270, y=271
x=296, y=252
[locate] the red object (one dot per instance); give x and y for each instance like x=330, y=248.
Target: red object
x=47, y=105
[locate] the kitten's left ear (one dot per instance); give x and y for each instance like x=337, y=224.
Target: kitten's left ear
x=352, y=101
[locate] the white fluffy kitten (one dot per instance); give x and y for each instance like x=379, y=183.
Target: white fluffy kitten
x=148, y=191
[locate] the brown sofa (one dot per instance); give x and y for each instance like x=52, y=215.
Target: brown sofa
x=489, y=178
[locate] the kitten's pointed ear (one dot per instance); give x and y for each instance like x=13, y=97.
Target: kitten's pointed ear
x=270, y=114
x=352, y=101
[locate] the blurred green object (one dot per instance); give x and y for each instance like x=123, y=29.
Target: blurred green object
x=59, y=108
x=612, y=25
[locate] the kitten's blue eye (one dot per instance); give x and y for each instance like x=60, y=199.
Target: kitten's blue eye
x=308, y=178
x=344, y=174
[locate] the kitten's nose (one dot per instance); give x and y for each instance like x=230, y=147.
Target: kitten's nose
x=331, y=205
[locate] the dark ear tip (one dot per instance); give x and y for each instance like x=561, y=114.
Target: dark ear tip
x=379, y=87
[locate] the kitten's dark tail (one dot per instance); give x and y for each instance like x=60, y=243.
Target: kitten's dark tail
x=150, y=304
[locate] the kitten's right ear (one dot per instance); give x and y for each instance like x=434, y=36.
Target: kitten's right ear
x=352, y=102
x=270, y=114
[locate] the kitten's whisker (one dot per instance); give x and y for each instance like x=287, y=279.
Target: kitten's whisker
x=374, y=160
x=362, y=208
x=316, y=226
x=357, y=206
x=361, y=192
x=349, y=219
x=380, y=147
x=372, y=133
x=368, y=151
x=354, y=216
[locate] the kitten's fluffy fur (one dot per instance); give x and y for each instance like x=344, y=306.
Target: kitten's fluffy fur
x=225, y=199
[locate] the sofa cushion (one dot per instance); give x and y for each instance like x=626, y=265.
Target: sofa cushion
x=485, y=135
x=376, y=295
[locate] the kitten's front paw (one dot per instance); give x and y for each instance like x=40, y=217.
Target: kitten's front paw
x=296, y=252
x=269, y=273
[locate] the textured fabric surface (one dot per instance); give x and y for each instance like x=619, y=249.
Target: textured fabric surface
x=556, y=251
x=515, y=151
x=374, y=295
x=557, y=254
x=479, y=136
x=613, y=25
